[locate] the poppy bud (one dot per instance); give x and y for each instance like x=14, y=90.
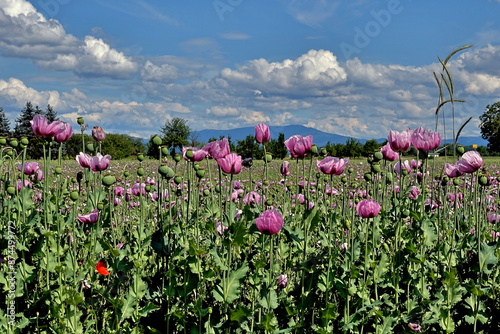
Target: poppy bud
x=13, y=142
x=166, y=171
x=178, y=179
x=3, y=140
x=323, y=151
x=98, y=133
x=58, y=170
x=140, y=157
x=24, y=141
x=100, y=205
x=367, y=177
x=217, y=189
x=80, y=120
x=108, y=180
x=268, y=157
x=200, y=173
x=140, y=171
x=456, y=181
x=156, y=140
x=314, y=149
x=484, y=180
x=375, y=168
x=350, y=170
x=126, y=173
x=11, y=190
x=206, y=192
x=90, y=147
x=164, y=151
x=460, y=149
x=377, y=156
x=189, y=154
x=177, y=158
x=73, y=195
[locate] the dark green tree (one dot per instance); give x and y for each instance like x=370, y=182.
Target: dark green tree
x=490, y=126
x=74, y=145
x=50, y=114
x=249, y=148
x=120, y=146
x=23, y=129
x=175, y=134
x=4, y=124
x=277, y=147
x=370, y=147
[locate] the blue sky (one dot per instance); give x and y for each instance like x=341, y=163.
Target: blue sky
x=356, y=68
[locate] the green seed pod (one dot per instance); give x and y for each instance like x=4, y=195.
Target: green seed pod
x=90, y=147
x=108, y=180
x=343, y=179
x=3, y=140
x=10, y=152
x=178, y=179
x=147, y=188
x=13, y=142
x=140, y=157
x=269, y=157
x=100, y=205
x=484, y=180
x=377, y=156
x=389, y=177
x=217, y=189
x=269, y=202
x=126, y=173
x=206, y=192
x=314, y=149
x=323, y=152
x=375, y=168
x=456, y=181
x=348, y=223
x=350, y=170
x=177, y=158
x=460, y=150
x=73, y=195
x=156, y=140
x=265, y=182
x=25, y=141
x=11, y=190
x=166, y=171
x=164, y=150
x=80, y=120
x=189, y=153
x=367, y=177
x=200, y=173
x=58, y=170
x=140, y=171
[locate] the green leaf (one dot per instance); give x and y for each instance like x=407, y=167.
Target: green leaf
x=487, y=258
x=229, y=289
x=430, y=235
x=127, y=308
x=269, y=299
x=381, y=269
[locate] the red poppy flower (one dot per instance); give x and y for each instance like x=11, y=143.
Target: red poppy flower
x=101, y=268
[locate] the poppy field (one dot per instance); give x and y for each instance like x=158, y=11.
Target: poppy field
x=208, y=242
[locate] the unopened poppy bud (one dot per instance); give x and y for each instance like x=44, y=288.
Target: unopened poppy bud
x=460, y=149
x=108, y=180
x=3, y=140
x=13, y=142
x=147, y=188
x=10, y=152
x=456, y=181
x=375, y=168
x=25, y=141
x=269, y=157
x=80, y=120
x=200, y=173
x=140, y=171
x=189, y=153
x=58, y=170
x=343, y=179
x=405, y=213
x=11, y=190
x=350, y=170
x=377, y=156
x=484, y=180
x=100, y=205
x=90, y=147
x=166, y=171
x=217, y=189
x=164, y=150
x=140, y=157
x=178, y=179
x=98, y=133
x=177, y=158
x=314, y=149
x=206, y=192
x=367, y=177
x=73, y=195
x=156, y=140
x=323, y=151
x=126, y=173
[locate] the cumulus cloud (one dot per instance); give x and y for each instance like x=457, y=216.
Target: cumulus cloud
x=313, y=73
x=223, y=111
x=26, y=33
x=163, y=73
x=18, y=93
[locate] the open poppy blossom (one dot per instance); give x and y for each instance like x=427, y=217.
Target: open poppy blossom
x=101, y=268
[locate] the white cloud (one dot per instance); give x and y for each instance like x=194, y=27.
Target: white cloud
x=235, y=36
x=316, y=72
x=223, y=111
x=162, y=73
x=254, y=117
x=311, y=13
x=26, y=33
x=18, y=93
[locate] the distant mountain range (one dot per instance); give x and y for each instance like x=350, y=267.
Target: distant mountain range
x=320, y=138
